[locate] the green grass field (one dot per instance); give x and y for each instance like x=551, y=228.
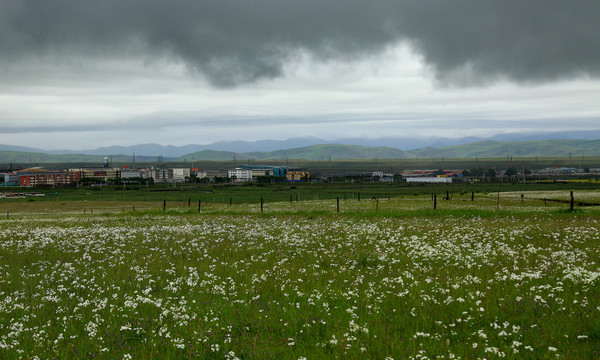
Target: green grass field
x=385, y=278
x=182, y=193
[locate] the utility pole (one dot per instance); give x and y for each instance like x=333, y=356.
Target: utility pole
x=569, y=159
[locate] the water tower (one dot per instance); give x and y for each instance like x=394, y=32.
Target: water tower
x=106, y=161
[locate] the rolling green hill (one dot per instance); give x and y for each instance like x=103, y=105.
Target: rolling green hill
x=213, y=155
x=332, y=151
x=315, y=152
x=43, y=158
x=35, y=157
x=482, y=149
x=492, y=149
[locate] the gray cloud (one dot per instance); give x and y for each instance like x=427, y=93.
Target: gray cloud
x=234, y=42
x=160, y=121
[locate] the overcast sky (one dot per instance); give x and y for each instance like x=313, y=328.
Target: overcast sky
x=78, y=74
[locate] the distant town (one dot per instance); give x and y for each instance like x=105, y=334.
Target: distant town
x=107, y=175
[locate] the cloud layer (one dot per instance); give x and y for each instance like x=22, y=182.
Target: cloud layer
x=463, y=42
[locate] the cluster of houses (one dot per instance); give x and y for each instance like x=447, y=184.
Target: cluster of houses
x=241, y=174
x=38, y=176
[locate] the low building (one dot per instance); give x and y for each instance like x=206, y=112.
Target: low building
x=212, y=174
x=297, y=174
x=42, y=177
x=248, y=173
x=453, y=172
x=382, y=176
x=277, y=171
x=103, y=174
x=161, y=175
x=199, y=174
x=429, y=180
x=256, y=173
x=558, y=171
x=420, y=172
x=132, y=173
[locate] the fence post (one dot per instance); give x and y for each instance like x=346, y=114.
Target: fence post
x=164, y=204
x=472, y=195
x=434, y=201
x=377, y=204
x=498, y=202
x=290, y=198
x=199, y=205
x=338, y=204
x=261, y=203
x=189, y=202
x=572, y=201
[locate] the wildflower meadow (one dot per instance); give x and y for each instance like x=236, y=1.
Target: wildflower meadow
x=309, y=283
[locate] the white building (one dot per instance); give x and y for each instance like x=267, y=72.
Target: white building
x=9, y=177
x=200, y=174
x=130, y=173
x=240, y=175
x=180, y=174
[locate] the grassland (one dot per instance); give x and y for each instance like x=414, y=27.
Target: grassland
x=385, y=278
x=238, y=194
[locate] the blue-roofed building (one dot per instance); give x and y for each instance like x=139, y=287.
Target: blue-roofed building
x=277, y=171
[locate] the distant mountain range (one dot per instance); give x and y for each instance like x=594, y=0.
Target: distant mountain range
x=481, y=149
x=25, y=157
x=408, y=144
x=314, y=152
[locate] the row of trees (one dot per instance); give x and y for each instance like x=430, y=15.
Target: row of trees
x=87, y=181
x=222, y=180
x=491, y=172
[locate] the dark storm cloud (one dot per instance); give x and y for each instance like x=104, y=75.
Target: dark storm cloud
x=233, y=42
